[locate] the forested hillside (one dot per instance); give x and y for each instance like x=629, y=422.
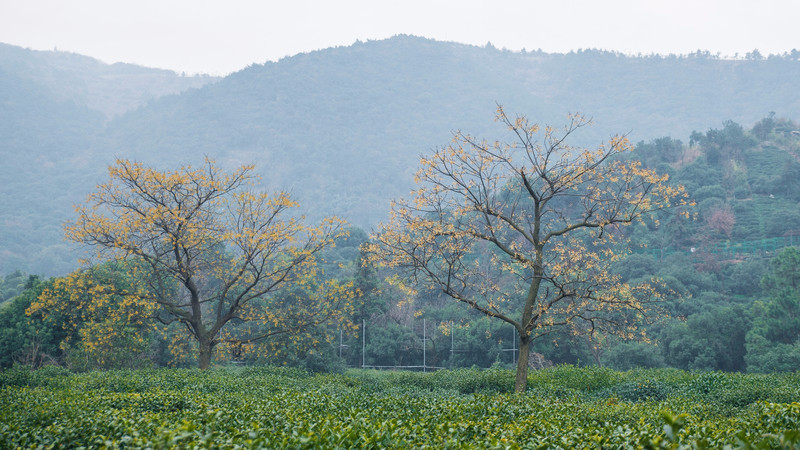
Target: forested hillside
x=341, y=128
x=53, y=113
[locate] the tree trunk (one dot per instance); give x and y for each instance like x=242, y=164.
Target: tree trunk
x=206, y=351
x=521, y=382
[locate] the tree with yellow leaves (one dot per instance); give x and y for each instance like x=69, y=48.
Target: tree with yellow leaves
x=104, y=320
x=209, y=250
x=524, y=231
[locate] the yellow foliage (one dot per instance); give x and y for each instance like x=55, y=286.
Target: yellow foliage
x=104, y=318
x=208, y=249
x=525, y=231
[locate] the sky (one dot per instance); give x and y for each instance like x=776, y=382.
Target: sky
x=220, y=37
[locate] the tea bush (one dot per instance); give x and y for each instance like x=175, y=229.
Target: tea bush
x=565, y=407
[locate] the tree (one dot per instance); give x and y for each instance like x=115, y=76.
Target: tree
x=725, y=144
x=763, y=127
x=525, y=231
x=102, y=318
x=713, y=339
x=209, y=250
x=773, y=343
x=720, y=220
x=12, y=285
x=24, y=339
x=755, y=55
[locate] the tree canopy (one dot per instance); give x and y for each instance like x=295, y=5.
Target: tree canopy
x=525, y=230
x=206, y=249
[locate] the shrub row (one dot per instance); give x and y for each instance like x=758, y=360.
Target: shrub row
x=565, y=407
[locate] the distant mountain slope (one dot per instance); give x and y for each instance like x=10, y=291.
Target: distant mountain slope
x=111, y=89
x=53, y=107
x=342, y=128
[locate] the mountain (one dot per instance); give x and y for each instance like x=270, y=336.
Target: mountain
x=54, y=107
x=110, y=89
x=342, y=128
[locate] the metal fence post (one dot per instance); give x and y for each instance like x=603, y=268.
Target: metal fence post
x=424, y=347
x=363, y=340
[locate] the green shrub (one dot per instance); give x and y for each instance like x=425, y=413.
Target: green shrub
x=566, y=407
x=641, y=390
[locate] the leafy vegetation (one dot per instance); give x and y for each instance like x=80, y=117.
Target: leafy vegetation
x=24, y=340
x=12, y=285
x=772, y=342
x=200, y=248
x=266, y=407
x=730, y=287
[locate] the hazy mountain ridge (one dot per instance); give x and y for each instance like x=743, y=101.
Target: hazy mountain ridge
x=53, y=110
x=368, y=110
x=342, y=128
x=111, y=89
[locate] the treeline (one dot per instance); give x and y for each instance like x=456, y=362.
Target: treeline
x=95, y=321
x=708, y=329
x=728, y=310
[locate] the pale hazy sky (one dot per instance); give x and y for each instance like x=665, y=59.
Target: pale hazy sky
x=219, y=37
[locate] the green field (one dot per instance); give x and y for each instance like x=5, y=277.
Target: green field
x=565, y=407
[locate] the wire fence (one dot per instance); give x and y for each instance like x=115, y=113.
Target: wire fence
x=763, y=247
x=432, y=349
x=429, y=353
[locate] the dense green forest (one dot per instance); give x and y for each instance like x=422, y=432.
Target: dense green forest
x=341, y=128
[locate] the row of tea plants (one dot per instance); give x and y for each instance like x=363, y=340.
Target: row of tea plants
x=565, y=407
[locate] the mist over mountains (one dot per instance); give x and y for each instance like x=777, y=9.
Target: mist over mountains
x=342, y=128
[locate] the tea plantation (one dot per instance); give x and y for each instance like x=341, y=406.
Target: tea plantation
x=565, y=407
